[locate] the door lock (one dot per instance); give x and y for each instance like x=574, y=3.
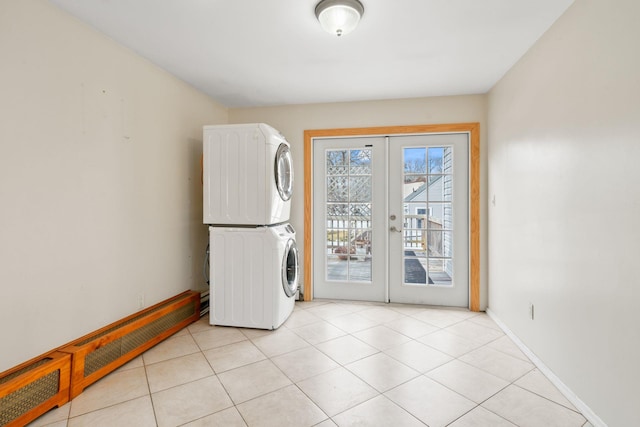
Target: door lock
x=392, y=217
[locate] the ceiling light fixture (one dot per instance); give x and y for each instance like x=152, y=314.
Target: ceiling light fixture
x=339, y=17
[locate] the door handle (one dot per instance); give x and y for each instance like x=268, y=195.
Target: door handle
x=393, y=228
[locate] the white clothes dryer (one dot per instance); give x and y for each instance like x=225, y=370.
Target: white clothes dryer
x=247, y=175
x=253, y=275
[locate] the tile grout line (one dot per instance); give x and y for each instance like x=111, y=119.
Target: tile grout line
x=146, y=376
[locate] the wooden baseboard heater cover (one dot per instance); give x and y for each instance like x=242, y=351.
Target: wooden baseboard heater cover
x=99, y=353
x=34, y=387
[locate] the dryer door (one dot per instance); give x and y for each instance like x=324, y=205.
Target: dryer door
x=284, y=172
x=290, y=268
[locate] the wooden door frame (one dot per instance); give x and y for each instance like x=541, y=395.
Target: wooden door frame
x=473, y=129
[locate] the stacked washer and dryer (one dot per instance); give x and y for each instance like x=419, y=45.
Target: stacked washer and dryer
x=248, y=183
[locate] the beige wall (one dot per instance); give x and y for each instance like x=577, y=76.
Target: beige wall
x=100, y=197
x=293, y=120
x=564, y=232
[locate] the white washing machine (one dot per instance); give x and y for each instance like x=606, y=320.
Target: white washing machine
x=247, y=175
x=254, y=275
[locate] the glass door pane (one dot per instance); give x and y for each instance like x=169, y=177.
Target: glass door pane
x=428, y=215
x=348, y=228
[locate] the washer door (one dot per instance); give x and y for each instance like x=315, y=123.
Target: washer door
x=290, y=268
x=284, y=172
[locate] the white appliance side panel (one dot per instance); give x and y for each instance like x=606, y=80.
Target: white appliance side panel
x=235, y=172
x=240, y=279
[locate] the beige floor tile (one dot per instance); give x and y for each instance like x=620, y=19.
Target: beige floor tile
x=430, y=402
x=346, y=349
x=326, y=423
x=418, y=356
x=499, y=364
x=337, y=390
x=480, y=417
x=462, y=313
x=200, y=326
x=439, y=318
x=505, y=345
x=137, y=412
x=381, y=337
x=380, y=314
x=486, y=321
x=137, y=362
x=63, y=423
x=378, y=411
x=413, y=328
x=183, y=331
x=304, y=363
x=470, y=382
x=226, y=418
x=191, y=401
x=217, y=336
x=301, y=318
x=279, y=343
x=115, y=388
x=474, y=331
x=536, y=382
x=251, y=333
x=328, y=311
x=253, y=380
x=310, y=304
x=318, y=332
x=181, y=370
x=356, y=306
x=406, y=309
x=381, y=371
x=527, y=409
x=174, y=346
x=448, y=343
x=352, y=322
x=285, y=407
x=233, y=356
x=53, y=416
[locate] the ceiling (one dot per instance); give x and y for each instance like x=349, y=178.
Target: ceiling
x=248, y=53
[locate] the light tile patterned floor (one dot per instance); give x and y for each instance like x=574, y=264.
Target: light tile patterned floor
x=331, y=364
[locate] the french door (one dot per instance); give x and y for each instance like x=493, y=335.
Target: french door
x=391, y=218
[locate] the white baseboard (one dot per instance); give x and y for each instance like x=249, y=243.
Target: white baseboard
x=562, y=387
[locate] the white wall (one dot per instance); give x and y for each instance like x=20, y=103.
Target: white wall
x=100, y=196
x=564, y=233
x=293, y=120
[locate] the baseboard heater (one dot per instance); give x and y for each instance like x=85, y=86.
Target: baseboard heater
x=34, y=387
x=99, y=353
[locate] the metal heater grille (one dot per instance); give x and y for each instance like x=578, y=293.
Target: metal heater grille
x=114, y=350
x=30, y=396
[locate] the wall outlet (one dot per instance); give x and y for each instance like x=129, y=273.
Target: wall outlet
x=531, y=311
x=140, y=301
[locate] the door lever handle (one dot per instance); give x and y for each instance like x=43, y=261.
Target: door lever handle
x=393, y=228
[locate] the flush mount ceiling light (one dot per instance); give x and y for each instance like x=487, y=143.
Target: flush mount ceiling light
x=339, y=17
